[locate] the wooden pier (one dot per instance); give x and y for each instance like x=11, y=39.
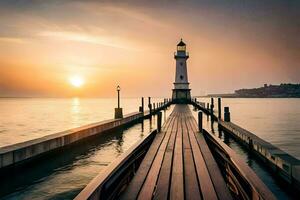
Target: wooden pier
x=177, y=165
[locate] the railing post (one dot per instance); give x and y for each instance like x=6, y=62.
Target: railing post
x=159, y=114
x=212, y=106
x=219, y=108
x=142, y=104
x=200, y=119
x=226, y=114
x=149, y=105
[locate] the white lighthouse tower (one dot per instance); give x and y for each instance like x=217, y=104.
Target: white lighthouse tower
x=181, y=91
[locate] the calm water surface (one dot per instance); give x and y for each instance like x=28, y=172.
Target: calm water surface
x=22, y=119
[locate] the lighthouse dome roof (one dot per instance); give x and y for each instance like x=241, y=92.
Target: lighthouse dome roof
x=181, y=43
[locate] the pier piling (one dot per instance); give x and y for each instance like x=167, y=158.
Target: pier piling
x=226, y=114
x=159, y=114
x=212, y=106
x=200, y=117
x=149, y=105
x=219, y=108
x=142, y=110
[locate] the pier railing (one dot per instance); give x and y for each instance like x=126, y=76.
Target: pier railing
x=241, y=180
x=284, y=165
x=112, y=181
x=281, y=163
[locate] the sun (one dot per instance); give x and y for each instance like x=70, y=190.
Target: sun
x=76, y=81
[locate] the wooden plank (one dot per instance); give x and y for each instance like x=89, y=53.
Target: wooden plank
x=135, y=185
x=177, y=185
x=163, y=182
x=192, y=190
x=206, y=185
x=150, y=182
x=213, y=169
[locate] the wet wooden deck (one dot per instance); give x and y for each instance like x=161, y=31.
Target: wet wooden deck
x=178, y=165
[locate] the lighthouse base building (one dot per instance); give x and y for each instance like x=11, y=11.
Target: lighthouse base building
x=181, y=95
x=181, y=92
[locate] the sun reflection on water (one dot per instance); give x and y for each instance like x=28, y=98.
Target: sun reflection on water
x=76, y=111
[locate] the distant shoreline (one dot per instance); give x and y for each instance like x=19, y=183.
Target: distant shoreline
x=284, y=90
x=215, y=96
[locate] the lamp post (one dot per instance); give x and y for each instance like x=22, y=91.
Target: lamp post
x=118, y=110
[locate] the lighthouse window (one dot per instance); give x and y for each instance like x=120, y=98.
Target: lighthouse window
x=181, y=77
x=180, y=48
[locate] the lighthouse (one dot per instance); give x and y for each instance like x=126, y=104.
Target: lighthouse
x=181, y=91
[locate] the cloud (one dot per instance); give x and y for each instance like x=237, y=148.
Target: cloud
x=12, y=40
x=134, y=13
x=88, y=38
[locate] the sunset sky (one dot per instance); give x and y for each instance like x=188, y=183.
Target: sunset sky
x=86, y=48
